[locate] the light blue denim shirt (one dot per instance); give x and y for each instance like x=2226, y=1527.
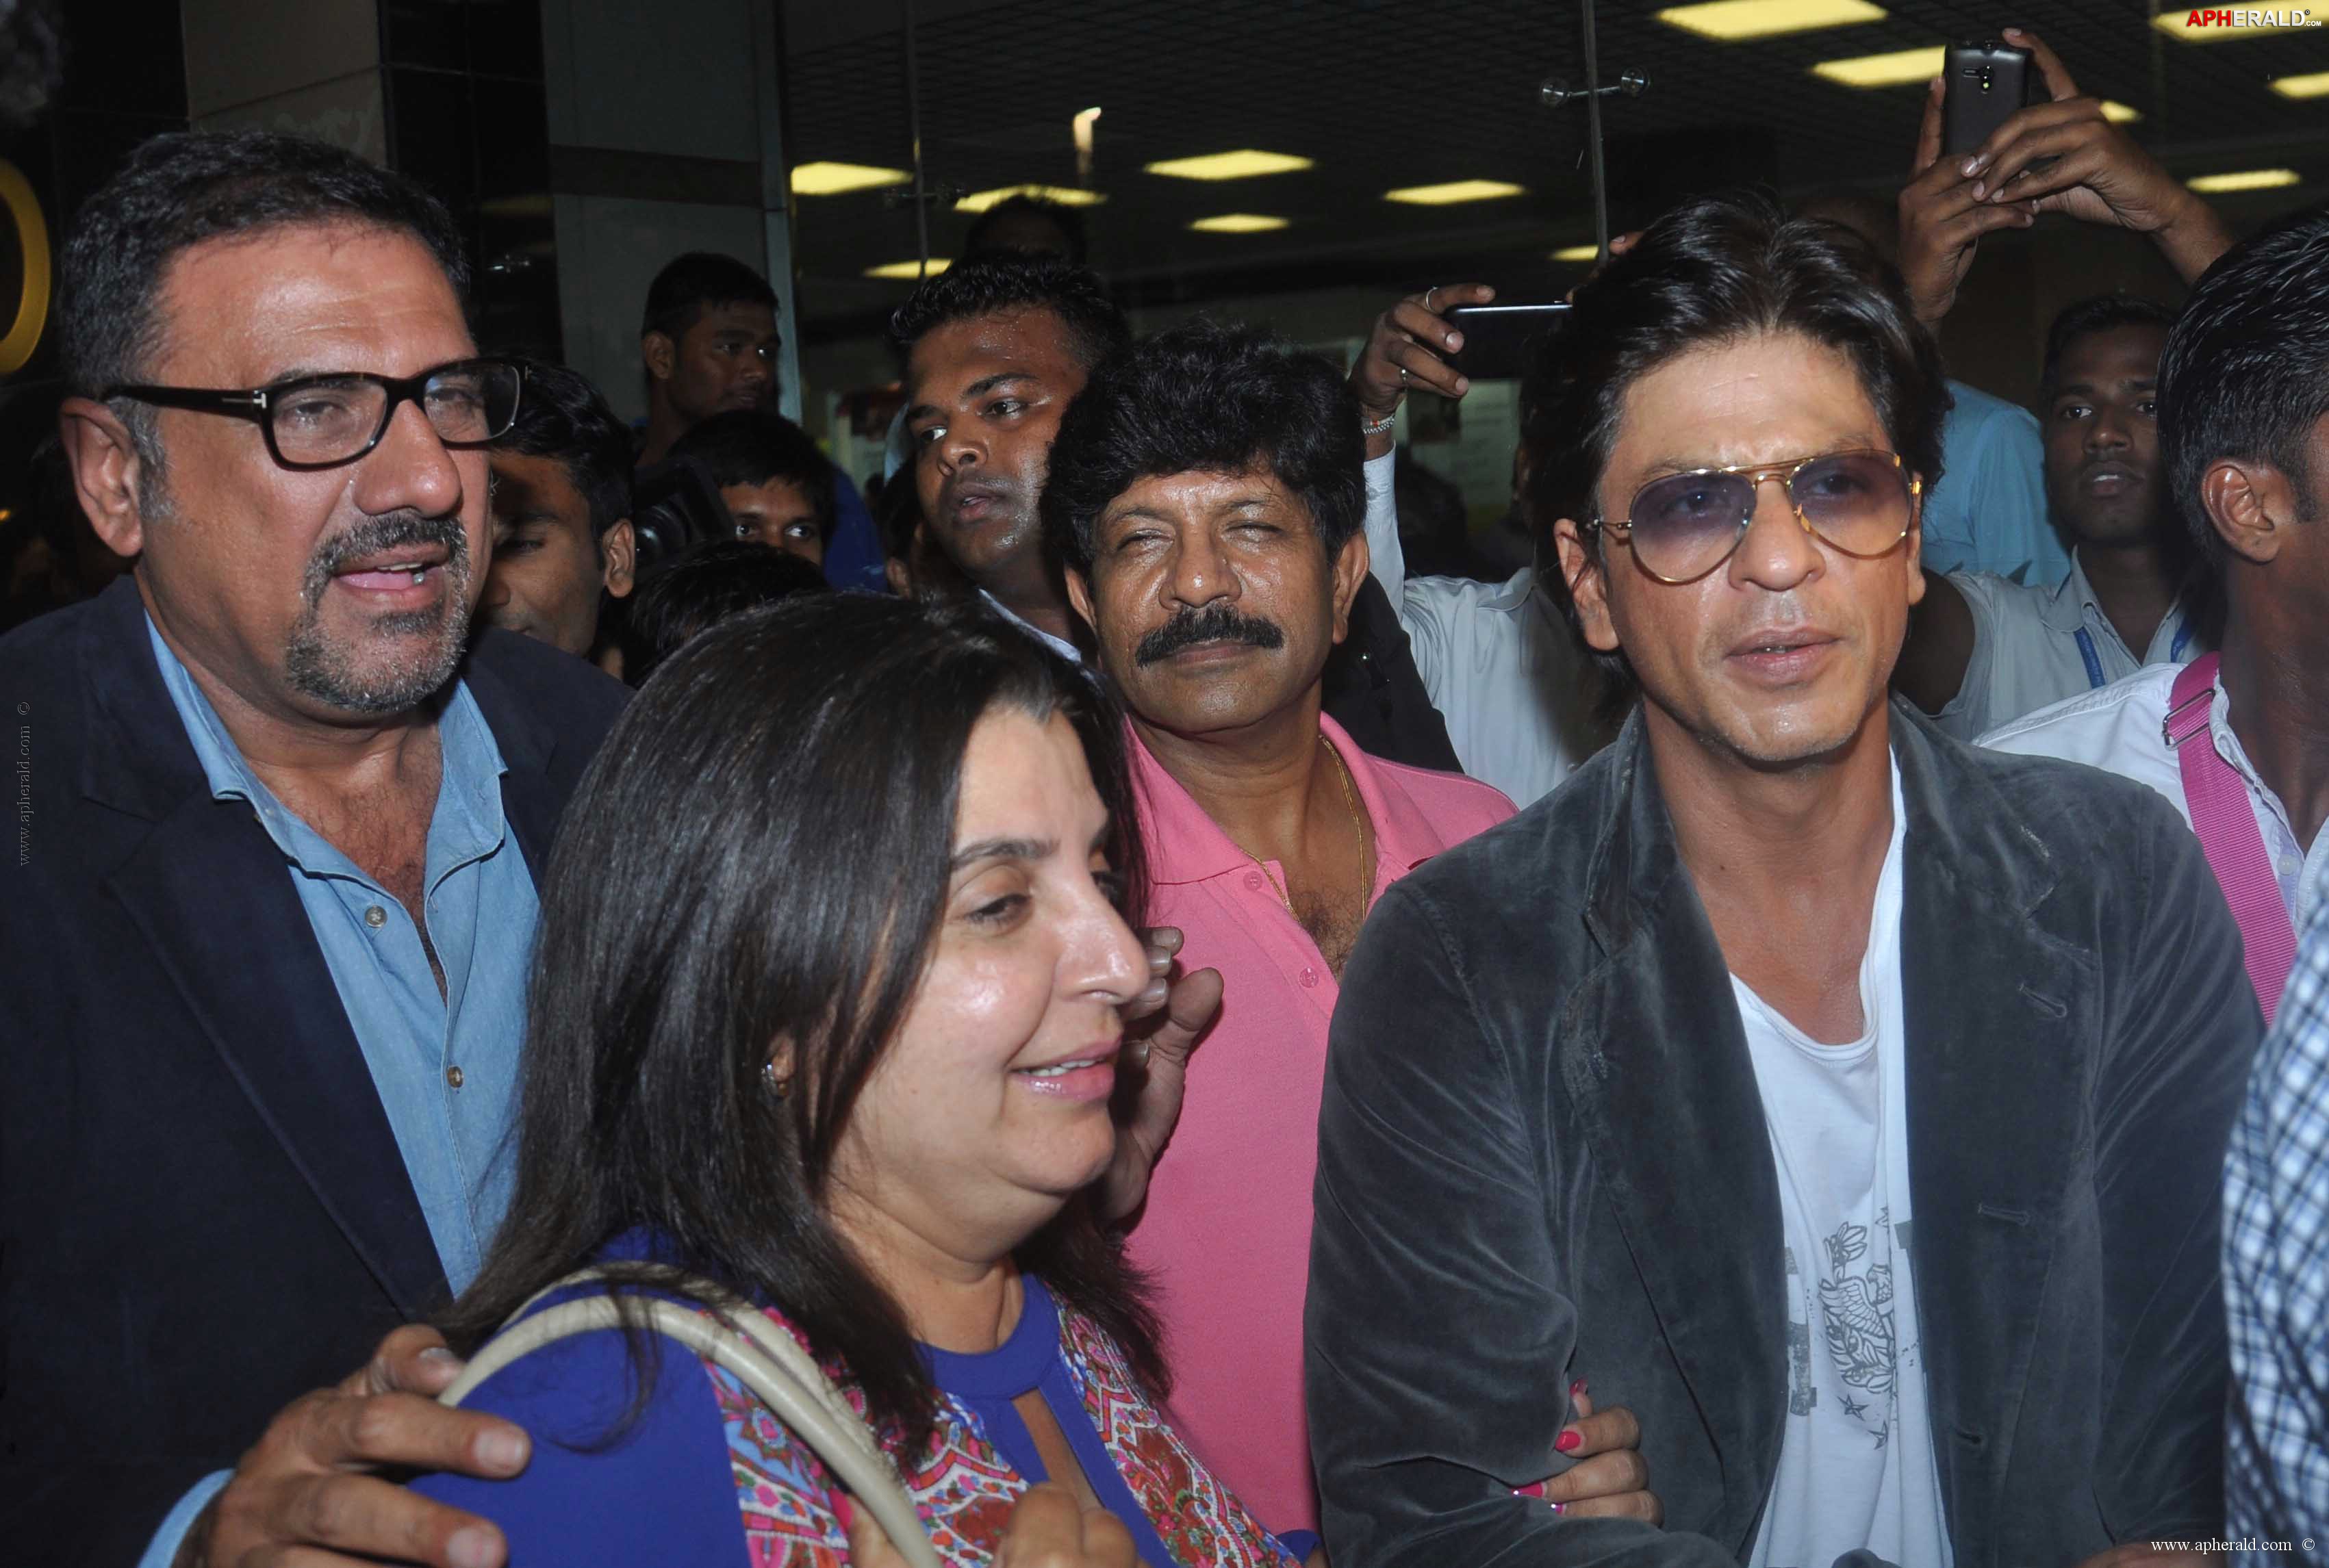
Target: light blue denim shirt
x=444, y=1066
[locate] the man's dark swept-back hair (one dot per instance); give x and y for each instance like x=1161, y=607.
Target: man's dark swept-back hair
x=991, y=285
x=1202, y=399
x=1715, y=270
x=2246, y=371
x=753, y=447
x=2084, y=318
x=699, y=281
x=561, y=414
x=797, y=895
x=180, y=190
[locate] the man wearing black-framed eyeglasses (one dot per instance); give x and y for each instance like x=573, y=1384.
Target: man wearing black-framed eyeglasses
x=267, y=931
x=1847, y=1102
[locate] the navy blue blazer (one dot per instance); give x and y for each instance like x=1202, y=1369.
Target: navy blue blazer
x=203, y=1211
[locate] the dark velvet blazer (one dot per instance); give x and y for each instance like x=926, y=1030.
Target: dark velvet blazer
x=1543, y=1156
x=202, y=1210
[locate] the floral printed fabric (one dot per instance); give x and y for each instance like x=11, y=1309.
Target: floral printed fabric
x=963, y=1487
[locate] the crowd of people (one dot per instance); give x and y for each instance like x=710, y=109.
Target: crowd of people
x=1793, y=1030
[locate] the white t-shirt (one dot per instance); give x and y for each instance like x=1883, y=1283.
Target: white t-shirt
x=1856, y=1466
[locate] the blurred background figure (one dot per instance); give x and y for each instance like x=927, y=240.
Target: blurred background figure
x=702, y=588
x=777, y=487
x=563, y=545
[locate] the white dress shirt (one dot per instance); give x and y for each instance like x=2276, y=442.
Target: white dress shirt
x=1497, y=660
x=2121, y=729
x=2033, y=647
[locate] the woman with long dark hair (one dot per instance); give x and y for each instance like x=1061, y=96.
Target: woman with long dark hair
x=827, y=1013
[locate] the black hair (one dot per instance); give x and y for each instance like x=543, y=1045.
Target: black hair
x=1712, y=270
x=896, y=513
x=760, y=852
x=2085, y=317
x=701, y=280
x=979, y=242
x=185, y=188
x=701, y=586
x=2246, y=371
x=990, y=284
x=1205, y=398
x=753, y=447
x=561, y=414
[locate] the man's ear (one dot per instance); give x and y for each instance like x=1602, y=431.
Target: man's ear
x=659, y=352
x=1588, y=585
x=1912, y=554
x=1351, y=568
x=620, y=548
x=1080, y=596
x=106, y=469
x=2250, y=503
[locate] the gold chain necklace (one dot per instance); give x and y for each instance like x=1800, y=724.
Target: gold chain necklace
x=1358, y=826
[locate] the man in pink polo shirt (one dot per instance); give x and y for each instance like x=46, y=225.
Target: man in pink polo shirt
x=1206, y=497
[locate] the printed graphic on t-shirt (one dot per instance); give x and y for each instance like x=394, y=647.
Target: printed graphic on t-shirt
x=1854, y=1294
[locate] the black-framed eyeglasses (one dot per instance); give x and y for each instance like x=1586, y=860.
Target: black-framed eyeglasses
x=324, y=421
x=1682, y=526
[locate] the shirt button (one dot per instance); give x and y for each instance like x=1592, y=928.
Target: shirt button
x=375, y=917
x=1309, y=977
x=453, y=1076
x=1253, y=881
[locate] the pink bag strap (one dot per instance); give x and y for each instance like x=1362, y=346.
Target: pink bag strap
x=2222, y=814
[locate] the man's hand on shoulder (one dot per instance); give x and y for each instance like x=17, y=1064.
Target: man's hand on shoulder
x=307, y=1485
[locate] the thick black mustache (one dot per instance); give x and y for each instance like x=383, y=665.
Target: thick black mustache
x=389, y=531
x=1216, y=623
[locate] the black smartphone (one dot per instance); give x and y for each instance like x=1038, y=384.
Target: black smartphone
x=1496, y=337
x=1987, y=83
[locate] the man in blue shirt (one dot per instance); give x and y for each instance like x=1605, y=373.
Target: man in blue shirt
x=266, y=933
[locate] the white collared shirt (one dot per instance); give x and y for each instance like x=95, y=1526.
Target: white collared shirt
x=2121, y=729
x=1497, y=660
x=2033, y=647
x=1060, y=645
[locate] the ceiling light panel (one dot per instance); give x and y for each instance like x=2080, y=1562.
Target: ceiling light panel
x=2245, y=180
x=909, y=269
x=834, y=179
x=2314, y=85
x=1894, y=70
x=1245, y=164
x=1576, y=253
x=1737, y=21
x=1454, y=191
x=1064, y=195
x=1238, y=223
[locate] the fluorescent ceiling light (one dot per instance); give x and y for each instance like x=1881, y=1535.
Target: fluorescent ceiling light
x=1576, y=253
x=1894, y=70
x=2315, y=85
x=2177, y=24
x=909, y=269
x=1238, y=223
x=833, y=179
x=2246, y=180
x=1453, y=191
x=1242, y=164
x=2120, y=114
x=1734, y=21
x=1065, y=195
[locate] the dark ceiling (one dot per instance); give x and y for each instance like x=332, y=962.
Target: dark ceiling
x=1384, y=95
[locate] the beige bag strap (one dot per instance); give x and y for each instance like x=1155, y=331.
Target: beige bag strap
x=765, y=1358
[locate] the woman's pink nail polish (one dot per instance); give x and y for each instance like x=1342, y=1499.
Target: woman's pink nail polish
x=1568, y=1439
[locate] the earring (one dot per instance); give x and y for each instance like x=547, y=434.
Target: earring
x=783, y=1085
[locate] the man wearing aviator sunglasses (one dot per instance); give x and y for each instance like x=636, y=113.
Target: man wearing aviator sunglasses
x=268, y=933
x=1847, y=1102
